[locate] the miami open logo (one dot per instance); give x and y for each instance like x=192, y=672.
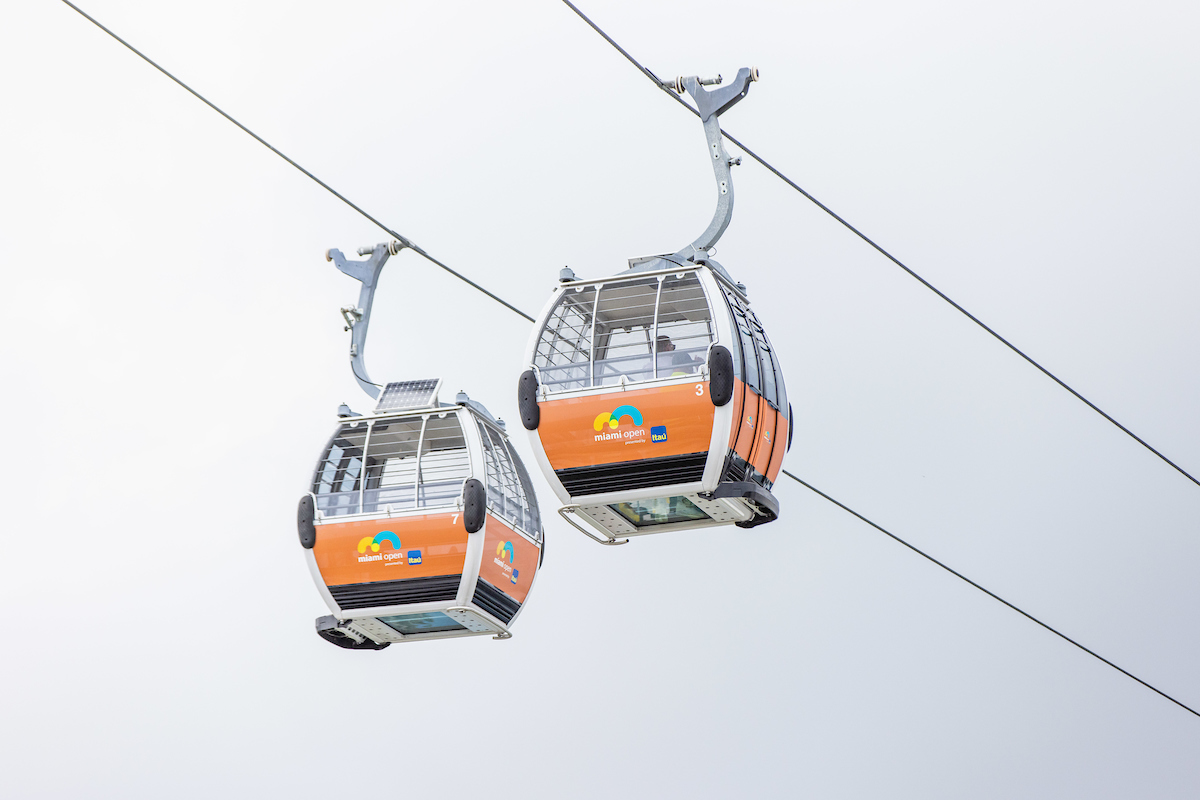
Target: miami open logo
x=504, y=557
x=504, y=550
x=612, y=420
x=375, y=543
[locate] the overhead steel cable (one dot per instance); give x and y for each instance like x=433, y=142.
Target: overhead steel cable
x=670, y=93
x=513, y=308
x=988, y=592
x=403, y=240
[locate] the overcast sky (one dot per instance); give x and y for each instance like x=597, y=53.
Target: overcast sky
x=173, y=358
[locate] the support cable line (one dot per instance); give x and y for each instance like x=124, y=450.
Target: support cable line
x=404, y=241
x=513, y=308
x=665, y=87
x=989, y=593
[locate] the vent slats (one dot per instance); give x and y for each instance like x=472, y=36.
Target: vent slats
x=394, y=593
x=628, y=475
x=736, y=471
x=494, y=601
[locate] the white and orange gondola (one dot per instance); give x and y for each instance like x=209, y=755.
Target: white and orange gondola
x=654, y=399
x=420, y=521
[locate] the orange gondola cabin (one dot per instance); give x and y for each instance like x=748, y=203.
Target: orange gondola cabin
x=421, y=523
x=655, y=401
x=653, y=398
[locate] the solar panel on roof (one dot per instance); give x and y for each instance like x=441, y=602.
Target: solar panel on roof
x=408, y=394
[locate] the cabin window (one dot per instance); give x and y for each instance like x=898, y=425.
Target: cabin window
x=392, y=464
x=751, y=367
x=564, y=351
x=428, y=622
x=759, y=364
x=773, y=390
x=625, y=332
x=780, y=392
x=409, y=463
x=509, y=490
x=630, y=330
x=683, y=328
x=444, y=463
x=337, y=482
x=660, y=511
x=766, y=359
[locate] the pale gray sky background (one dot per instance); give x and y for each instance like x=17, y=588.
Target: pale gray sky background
x=173, y=357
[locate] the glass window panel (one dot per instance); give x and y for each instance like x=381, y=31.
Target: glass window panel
x=659, y=511
x=327, y=469
x=768, y=371
x=428, y=622
x=773, y=389
x=625, y=331
x=735, y=344
x=532, y=518
x=749, y=350
x=392, y=464
x=350, y=474
x=336, y=479
x=445, y=463
x=684, y=326
x=509, y=490
x=564, y=349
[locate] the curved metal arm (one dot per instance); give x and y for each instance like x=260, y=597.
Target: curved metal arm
x=359, y=317
x=711, y=104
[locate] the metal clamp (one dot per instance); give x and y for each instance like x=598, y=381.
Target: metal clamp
x=610, y=540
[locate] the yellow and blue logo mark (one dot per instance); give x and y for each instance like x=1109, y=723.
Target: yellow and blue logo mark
x=613, y=419
x=378, y=539
x=513, y=577
x=505, y=550
x=658, y=433
x=397, y=556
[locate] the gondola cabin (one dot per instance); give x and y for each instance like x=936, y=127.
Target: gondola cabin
x=420, y=523
x=655, y=401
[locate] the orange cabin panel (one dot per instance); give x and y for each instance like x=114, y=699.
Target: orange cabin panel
x=778, y=447
x=748, y=424
x=365, y=551
x=736, y=403
x=627, y=426
x=764, y=432
x=509, y=559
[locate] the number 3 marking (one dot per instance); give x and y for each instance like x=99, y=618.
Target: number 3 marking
x=699, y=390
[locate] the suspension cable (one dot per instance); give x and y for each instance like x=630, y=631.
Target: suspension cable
x=513, y=308
x=664, y=87
x=406, y=242
x=988, y=592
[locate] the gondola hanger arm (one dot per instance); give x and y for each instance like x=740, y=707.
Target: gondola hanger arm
x=358, y=318
x=710, y=104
